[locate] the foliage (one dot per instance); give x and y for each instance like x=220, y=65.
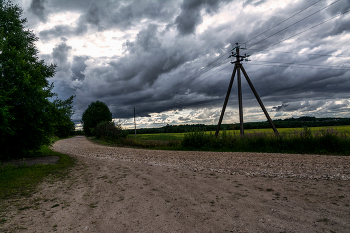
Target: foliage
x=61, y=114
x=316, y=140
x=79, y=132
x=326, y=141
x=95, y=113
x=195, y=139
x=109, y=130
x=27, y=117
x=286, y=123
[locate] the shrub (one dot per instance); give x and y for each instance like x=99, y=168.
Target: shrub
x=108, y=130
x=325, y=141
x=196, y=139
x=79, y=132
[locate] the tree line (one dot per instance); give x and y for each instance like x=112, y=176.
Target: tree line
x=280, y=123
x=30, y=112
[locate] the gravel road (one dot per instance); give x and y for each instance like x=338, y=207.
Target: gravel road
x=113, y=189
x=249, y=164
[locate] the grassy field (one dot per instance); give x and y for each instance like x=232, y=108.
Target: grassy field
x=22, y=180
x=282, y=131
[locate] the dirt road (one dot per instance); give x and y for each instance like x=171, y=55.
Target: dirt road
x=115, y=189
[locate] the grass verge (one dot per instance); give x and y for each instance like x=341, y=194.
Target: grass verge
x=22, y=180
x=303, y=141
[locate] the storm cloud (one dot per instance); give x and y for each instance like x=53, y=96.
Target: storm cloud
x=153, y=55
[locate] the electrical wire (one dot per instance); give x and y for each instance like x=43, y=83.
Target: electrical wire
x=309, y=28
x=185, y=84
x=210, y=75
x=193, y=76
x=311, y=54
x=294, y=23
x=179, y=103
x=296, y=66
x=338, y=67
x=283, y=21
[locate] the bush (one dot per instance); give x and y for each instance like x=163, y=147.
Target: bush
x=65, y=129
x=196, y=139
x=108, y=130
x=79, y=132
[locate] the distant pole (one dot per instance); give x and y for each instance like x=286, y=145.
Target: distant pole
x=135, y=121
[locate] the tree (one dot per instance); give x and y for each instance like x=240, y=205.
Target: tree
x=61, y=116
x=95, y=113
x=26, y=114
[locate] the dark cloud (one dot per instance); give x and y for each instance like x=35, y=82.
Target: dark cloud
x=279, y=108
x=190, y=15
x=60, y=55
x=93, y=15
x=156, y=59
x=78, y=67
x=62, y=30
x=254, y=2
x=38, y=8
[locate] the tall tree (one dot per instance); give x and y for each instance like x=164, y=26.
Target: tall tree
x=61, y=116
x=25, y=110
x=95, y=113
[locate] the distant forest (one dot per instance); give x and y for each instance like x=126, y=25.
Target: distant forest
x=286, y=123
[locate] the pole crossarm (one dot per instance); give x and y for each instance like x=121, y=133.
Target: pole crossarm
x=238, y=67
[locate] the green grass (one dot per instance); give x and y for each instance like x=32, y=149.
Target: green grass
x=158, y=137
x=22, y=180
x=314, y=140
x=180, y=136
x=306, y=141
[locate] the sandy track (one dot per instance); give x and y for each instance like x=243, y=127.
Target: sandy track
x=115, y=189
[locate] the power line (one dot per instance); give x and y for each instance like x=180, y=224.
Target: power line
x=179, y=103
x=295, y=23
x=296, y=66
x=283, y=21
x=312, y=54
x=198, y=73
x=210, y=75
x=292, y=63
x=308, y=29
x=184, y=84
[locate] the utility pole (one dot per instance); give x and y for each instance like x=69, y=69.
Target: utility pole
x=135, y=121
x=238, y=67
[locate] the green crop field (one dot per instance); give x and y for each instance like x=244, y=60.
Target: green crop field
x=179, y=136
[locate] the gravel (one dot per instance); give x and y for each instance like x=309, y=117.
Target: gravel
x=306, y=166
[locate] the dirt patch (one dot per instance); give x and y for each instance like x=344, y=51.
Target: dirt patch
x=33, y=161
x=103, y=194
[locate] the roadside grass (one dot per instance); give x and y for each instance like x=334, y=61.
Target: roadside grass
x=153, y=144
x=314, y=140
x=305, y=141
x=284, y=131
x=22, y=180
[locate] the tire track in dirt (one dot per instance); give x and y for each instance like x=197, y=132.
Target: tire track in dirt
x=115, y=195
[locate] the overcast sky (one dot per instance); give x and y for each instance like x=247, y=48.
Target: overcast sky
x=135, y=53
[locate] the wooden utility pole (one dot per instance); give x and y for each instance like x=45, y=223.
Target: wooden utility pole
x=135, y=121
x=238, y=67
